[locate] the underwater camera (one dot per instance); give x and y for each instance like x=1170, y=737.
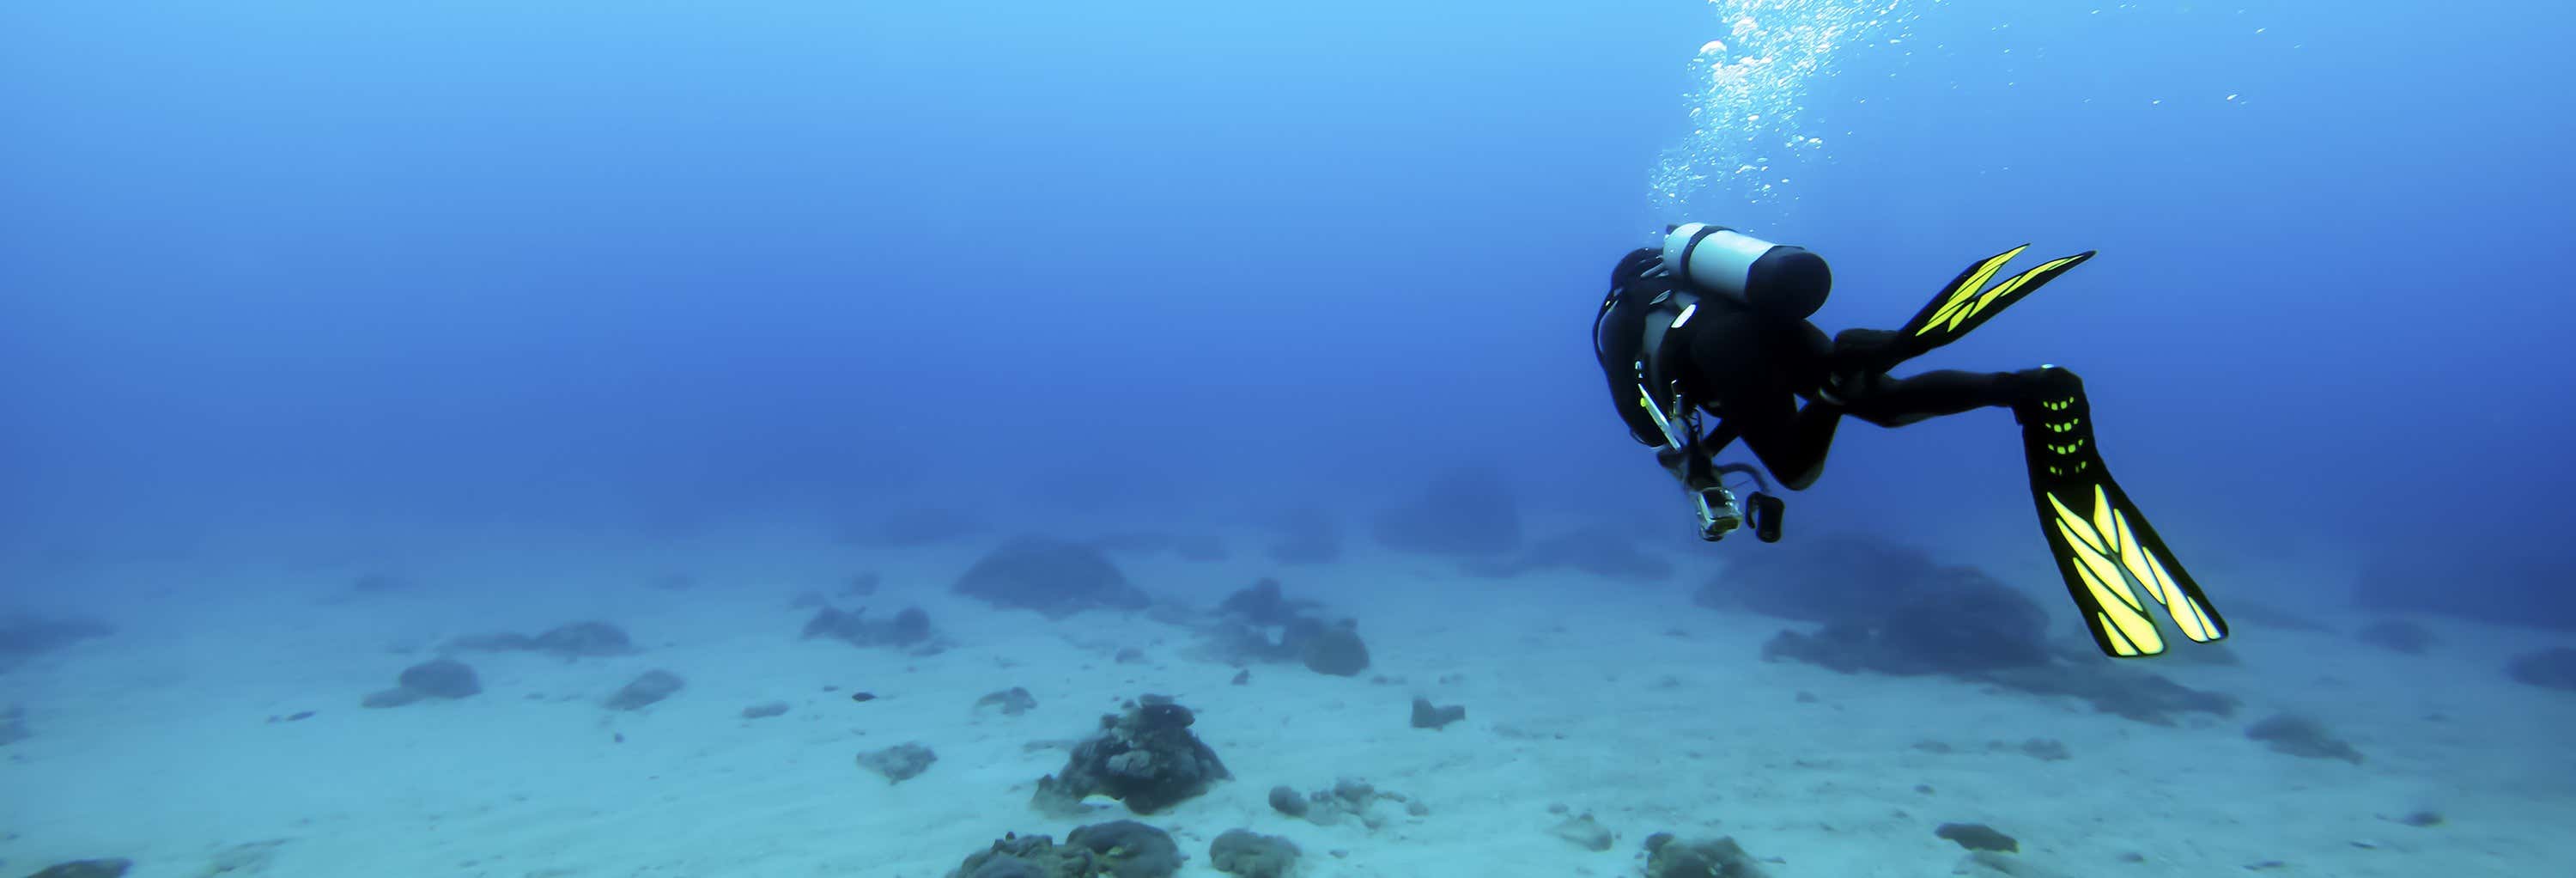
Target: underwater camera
x=1776, y=279
x=1760, y=508
x=1720, y=514
x=1717, y=512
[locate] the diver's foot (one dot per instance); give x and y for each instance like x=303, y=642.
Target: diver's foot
x=1859, y=338
x=2051, y=380
x=1872, y=350
x=2037, y=392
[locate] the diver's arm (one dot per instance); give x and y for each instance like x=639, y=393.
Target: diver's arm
x=1720, y=435
x=1698, y=463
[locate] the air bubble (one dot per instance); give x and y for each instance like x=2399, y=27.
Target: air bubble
x=1753, y=82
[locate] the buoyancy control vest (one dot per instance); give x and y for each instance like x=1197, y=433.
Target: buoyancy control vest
x=1632, y=337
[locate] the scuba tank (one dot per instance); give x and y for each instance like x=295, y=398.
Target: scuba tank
x=1776, y=279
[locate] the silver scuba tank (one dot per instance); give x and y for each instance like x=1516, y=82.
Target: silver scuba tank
x=1776, y=279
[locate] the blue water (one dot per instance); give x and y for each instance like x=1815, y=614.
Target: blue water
x=306, y=280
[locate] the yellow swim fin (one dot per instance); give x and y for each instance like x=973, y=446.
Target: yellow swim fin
x=2100, y=540
x=1968, y=303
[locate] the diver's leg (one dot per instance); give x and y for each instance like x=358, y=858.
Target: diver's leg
x=2100, y=540
x=1793, y=445
x=1750, y=371
x=1896, y=402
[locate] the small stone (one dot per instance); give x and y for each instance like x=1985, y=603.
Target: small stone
x=1417, y=809
x=109, y=868
x=1978, y=837
x=1287, y=801
x=1585, y=832
x=584, y=639
x=646, y=690
x=1336, y=651
x=2046, y=750
x=899, y=763
x=1715, y=858
x=1249, y=854
x=1012, y=701
x=1425, y=716
x=764, y=710
x=441, y=678
x=2302, y=737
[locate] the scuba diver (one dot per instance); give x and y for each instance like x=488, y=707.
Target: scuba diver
x=1715, y=322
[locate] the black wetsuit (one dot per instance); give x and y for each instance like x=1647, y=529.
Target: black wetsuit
x=1753, y=371
x=1774, y=380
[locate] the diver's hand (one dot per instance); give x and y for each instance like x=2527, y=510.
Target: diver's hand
x=1839, y=388
x=1688, y=466
x=1635, y=265
x=1716, y=507
x=1677, y=462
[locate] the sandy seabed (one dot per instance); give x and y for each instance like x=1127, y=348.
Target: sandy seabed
x=167, y=742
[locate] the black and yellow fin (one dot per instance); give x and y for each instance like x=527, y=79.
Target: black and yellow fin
x=2100, y=540
x=1968, y=303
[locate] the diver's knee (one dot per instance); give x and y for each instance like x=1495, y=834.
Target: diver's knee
x=1800, y=480
x=1889, y=420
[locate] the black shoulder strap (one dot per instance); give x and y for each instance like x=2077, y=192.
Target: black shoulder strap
x=1632, y=336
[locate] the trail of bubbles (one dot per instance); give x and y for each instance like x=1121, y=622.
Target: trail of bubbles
x=1751, y=86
